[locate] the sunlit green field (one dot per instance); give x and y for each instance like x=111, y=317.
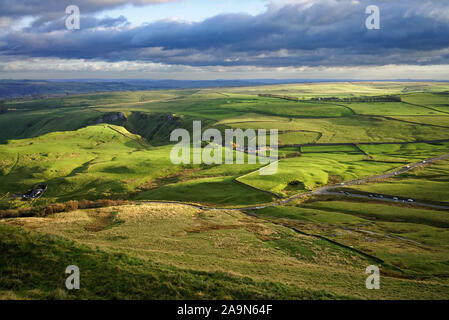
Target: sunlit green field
x=391, y=109
x=429, y=183
x=405, y=152
x=429, y=120
x=94, y=162
x=315, y=170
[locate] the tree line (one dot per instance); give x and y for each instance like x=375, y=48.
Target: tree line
x=350, y=99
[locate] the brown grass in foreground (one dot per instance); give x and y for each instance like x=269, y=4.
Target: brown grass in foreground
x=60, y=207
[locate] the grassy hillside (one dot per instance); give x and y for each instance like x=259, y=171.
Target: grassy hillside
x=33, y=267
x=107, y=161
x=94, y=162
x=218, y=247
x=410, y=239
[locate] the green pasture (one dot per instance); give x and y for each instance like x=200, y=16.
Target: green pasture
x=313, y=170
x=412, y=152
x=423, y=183
x=390, y=109
x=95, y=162
x=414, y=241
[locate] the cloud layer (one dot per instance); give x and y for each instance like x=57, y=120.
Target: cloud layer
x=49, y=10
x=289, y=34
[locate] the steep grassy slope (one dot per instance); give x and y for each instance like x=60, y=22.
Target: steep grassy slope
x=33, y=266
x=91, y=163
x=106, y=161
x=211, y=244
x=33, y=123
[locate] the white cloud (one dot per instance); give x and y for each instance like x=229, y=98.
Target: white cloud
x=38, y=68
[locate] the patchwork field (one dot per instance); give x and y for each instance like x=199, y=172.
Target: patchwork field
x=313, y=170
x=426, y=183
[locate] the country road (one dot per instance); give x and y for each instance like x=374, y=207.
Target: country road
x=327, y=190
x=330, y=144
x=388, y=199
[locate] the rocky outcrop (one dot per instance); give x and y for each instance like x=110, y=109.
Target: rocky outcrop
x=112, y=117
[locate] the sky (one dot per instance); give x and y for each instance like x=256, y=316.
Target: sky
x=225, y=39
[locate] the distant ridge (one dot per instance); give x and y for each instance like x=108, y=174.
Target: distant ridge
x=11, y=89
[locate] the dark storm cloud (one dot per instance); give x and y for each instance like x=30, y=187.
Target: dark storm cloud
x=311, y=33
x=48, y=10
x=88, y=22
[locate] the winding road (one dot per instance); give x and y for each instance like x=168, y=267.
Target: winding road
x=327, y=190
x=389, y=199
